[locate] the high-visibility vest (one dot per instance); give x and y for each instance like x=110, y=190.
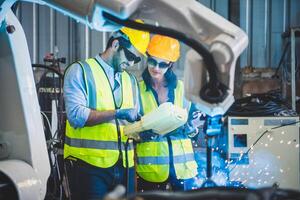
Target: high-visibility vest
x=103, y=144
x=153, y=161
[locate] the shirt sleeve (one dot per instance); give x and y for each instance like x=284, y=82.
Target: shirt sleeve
x=75, y=96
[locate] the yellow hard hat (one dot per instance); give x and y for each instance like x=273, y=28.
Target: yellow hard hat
x=164, y=47
x=139, y=39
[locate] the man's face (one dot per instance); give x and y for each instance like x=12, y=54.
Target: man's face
x=126, y=56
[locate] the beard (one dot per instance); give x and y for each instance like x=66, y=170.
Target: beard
x=118, y=68
x=121, y=67
x=119, y=64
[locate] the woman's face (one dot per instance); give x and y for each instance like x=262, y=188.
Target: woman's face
x=157, y=67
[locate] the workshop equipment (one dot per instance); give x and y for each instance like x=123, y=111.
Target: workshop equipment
x=264, y=151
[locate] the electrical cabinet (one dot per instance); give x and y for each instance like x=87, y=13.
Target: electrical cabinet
x=263, y=151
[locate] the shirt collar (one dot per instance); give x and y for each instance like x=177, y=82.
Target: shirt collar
x=107, y=68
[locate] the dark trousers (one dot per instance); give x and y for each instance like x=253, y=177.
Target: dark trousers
x=88, y=182
x=172, y=185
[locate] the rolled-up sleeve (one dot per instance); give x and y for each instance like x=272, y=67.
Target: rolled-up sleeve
x=75, y=96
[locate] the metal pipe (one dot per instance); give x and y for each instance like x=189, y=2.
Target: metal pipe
x=284, y=15
x=213, y=5
x=249, y=5
x=293, y=69
x=51, y=30
x=34, y=33
x=77, y=41
x=104, y=40
x=69, y=40
x=269, y=33
x=288, y=13
x=266, y=31
x=72, y=52
x=87, y=42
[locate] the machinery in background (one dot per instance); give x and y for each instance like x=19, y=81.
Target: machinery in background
x=24, y=162
x=257, y=147
x=212, y=130
x=49, y=85
x=263, y=142
x=264, y=151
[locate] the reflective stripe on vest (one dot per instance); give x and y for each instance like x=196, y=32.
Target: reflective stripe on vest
x=163, y=160
x=92, y=144
x=153, y=157
x=99, y=145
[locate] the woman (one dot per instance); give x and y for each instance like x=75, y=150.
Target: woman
x=164, y=159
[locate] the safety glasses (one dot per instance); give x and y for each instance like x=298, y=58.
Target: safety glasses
x=131, y=56
x=125, y=44
x=152, y=63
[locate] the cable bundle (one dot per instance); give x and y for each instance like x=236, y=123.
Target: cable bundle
x=49, y=88
x=268, y=104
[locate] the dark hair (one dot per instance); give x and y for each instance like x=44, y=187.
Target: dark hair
x=170, y=77
x=110, y=41
x=122, y=40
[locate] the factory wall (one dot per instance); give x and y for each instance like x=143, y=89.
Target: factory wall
x=263, y=20
x=48, y=31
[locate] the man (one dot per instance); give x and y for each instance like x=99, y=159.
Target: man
x=101, y=98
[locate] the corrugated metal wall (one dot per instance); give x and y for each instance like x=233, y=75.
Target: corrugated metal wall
x=49, y=31
x=264, y=21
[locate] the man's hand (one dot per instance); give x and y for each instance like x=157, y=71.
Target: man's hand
x=130, y=114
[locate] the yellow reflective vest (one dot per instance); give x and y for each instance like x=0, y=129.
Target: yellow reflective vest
x=103, y=144
x=153, y=161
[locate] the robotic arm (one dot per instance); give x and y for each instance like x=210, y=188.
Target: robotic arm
x=209, y=71
x=216, y=42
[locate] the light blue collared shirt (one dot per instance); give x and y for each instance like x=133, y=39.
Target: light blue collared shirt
x=75, y=94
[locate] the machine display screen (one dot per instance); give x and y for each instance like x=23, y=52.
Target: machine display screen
x=240, y=140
